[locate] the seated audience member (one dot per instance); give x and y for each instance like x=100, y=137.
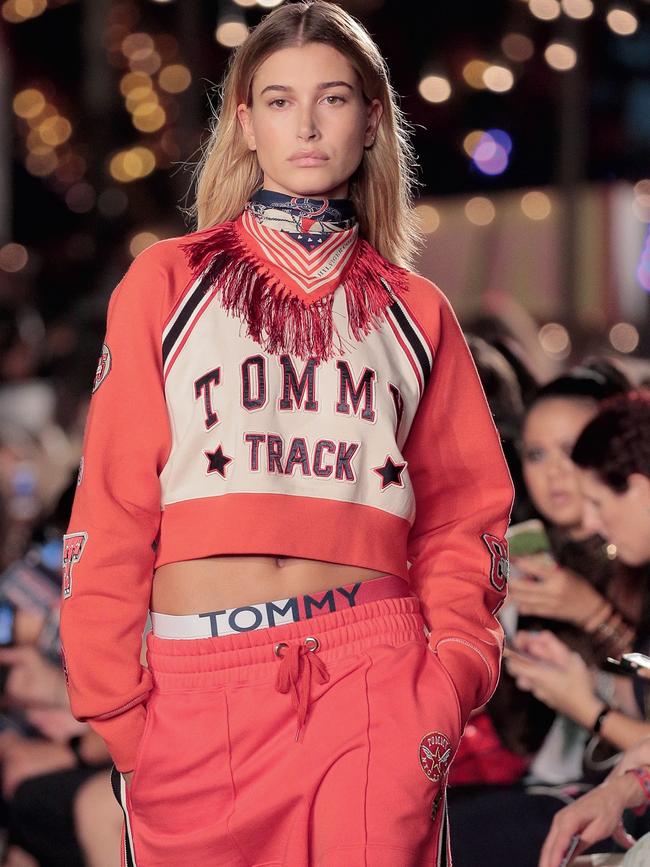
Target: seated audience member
x=45, y=754
x=553, y=421
x=613, y=459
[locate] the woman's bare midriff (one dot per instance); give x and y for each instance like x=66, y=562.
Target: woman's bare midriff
x=228, y=581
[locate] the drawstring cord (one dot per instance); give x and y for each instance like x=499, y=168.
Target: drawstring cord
x=295, y=674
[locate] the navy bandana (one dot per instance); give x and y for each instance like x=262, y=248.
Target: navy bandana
x=306, y=219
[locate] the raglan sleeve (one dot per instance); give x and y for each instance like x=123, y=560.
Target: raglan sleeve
x=457, y=554
x=108, y=549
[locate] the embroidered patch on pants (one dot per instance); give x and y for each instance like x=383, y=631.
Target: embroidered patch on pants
x=434, y=754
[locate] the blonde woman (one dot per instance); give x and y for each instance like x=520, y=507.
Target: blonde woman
x=288, y=461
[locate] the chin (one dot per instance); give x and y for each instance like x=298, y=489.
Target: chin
x=309, y=182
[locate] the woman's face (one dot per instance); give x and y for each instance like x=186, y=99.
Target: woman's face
x=551, y=428
x=622, y=519
x=308, y=121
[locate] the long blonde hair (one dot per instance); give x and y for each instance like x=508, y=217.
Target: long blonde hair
x=381, y=188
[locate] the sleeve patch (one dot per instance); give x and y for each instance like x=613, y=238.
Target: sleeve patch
x=499, y=567
x=103, y=366
x=73, y=546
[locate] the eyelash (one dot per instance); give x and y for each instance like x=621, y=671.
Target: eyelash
x=340, y=99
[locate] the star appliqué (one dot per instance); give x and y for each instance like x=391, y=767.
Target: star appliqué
x=390, y=473
x=217, y=461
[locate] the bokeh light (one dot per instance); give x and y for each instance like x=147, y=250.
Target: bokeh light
x=554, y=340
x=472, y=141
x=622, y=21
x=624, y=337
x=578, y=9
x=517, y=47
x=230, y=34
x=174, y=78
x=434, y=88
x=480, y=211
x=141, y=241
x=545, y=10
x=429, y=218
x=132, y=164
x=80, y=198
x=536, y=205
x=149, y=117
x=17, y=11
x=473, y=73
x=492, y=151
x=28, y=103
x=499, y=79
x=561, y=56
x=13, y=257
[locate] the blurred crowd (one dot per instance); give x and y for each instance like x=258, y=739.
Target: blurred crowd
x=551, y=757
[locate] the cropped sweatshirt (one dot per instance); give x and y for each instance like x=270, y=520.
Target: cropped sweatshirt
x=272, y=385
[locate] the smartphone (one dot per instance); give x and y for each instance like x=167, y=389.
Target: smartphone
x=571, y=851
x=629, y=663
x=528, y=537
x=7, y=628
x=525, y=539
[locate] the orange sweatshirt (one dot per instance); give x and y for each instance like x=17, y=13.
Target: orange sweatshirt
x=201, y=440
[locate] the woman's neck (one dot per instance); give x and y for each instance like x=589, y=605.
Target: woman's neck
x=301, y=215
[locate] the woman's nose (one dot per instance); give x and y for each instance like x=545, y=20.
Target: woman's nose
x=307, y=128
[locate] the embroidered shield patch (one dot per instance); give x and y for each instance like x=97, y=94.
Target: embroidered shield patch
x=103, y=367
x=434, y=755
x=500, y=567
x=73, y=546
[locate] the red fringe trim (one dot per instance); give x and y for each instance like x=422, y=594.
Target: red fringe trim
x=277, y=319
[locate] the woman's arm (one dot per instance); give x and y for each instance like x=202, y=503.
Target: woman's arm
x=108, y=556
x=561, y=679
x=593, y=817
x=463, y=496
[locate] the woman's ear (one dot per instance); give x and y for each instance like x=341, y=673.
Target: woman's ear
x=375, y=111
x=246, y=121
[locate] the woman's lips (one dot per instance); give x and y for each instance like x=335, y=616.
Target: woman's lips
x=308, y=158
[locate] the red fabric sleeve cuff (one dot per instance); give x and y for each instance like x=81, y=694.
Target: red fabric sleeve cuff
x=469, y=673
x=122, y=735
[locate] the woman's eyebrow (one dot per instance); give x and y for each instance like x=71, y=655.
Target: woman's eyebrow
x=283, y=88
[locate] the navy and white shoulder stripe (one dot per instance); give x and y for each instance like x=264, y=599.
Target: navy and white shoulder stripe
x=412, y=339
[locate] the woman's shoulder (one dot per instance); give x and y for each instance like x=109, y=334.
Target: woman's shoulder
x=426, y=302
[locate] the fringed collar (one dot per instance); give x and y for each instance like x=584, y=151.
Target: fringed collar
x=284, y=290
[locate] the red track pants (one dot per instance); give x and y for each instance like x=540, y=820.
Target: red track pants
x=323, y=742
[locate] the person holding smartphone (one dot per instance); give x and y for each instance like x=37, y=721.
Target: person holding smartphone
x=612, y=455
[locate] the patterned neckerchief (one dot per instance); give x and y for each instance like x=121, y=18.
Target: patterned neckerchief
x=305, y=219
x=307, y=243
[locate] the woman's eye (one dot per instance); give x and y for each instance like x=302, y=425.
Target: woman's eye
x=334, y=100
x=533, y=456
x=277, y=102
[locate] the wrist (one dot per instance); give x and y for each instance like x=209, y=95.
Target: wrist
x=638, y=781
x=595, y=715
x=598, y=613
